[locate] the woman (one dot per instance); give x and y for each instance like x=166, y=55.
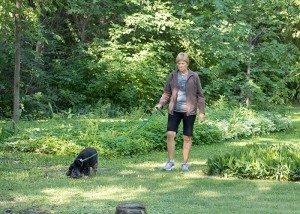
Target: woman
x=184, y=92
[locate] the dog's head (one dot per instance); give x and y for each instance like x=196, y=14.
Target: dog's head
x=73, y=171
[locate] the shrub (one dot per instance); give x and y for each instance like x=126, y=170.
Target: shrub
x=137, y=133
x=6, y=132
x=207, y=133
x=242, y=122
x=47, y=145
x=127, y=147
x=258, y=161
x=280, y=122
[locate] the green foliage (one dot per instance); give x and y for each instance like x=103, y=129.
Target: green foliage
x=138, y=55
x=142, y=87
x=106, y=110
x=207, y=133
x=36, y=106
x=155, y=133
x=258, y=161
x=5, y=132
x=46, y=145
x=76, y=54
x=239, y=38
x=133, y=147
x=133, y=134
x=244, y=122
x=42, y=180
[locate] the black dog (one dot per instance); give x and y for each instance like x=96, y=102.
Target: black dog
x=87, y=158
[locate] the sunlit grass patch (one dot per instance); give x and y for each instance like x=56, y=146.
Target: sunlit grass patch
x=209, y=194
x=32, y=182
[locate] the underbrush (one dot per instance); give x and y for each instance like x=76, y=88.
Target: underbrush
x=134, y=134
x=258, y=161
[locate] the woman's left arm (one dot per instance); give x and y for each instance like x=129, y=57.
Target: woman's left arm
x=200, y=96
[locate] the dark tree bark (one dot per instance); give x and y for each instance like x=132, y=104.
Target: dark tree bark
x=131, y=208
x=16, y=108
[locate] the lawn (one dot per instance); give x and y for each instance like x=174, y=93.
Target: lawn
x=36, y=183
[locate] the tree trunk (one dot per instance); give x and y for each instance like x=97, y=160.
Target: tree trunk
x=248, y=100
x=131, y=208
x=248, y=74
x=253, y=41
x=16, y=108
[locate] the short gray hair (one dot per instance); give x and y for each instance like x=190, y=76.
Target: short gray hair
x=183, y=57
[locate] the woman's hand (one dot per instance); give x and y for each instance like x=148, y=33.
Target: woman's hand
x=201, y=117
x=158, y=107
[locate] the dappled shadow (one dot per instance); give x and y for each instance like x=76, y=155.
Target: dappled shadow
x=39, y=183
x=141, y=180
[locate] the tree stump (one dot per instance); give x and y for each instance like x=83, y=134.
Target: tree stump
x=131, y=208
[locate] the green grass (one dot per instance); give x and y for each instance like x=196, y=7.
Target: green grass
x=37, y=183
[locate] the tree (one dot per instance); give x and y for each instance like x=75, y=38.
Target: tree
x=240, y=48
x=140, y=53
x=16, y=109
x=6, y=56
x=77, y=53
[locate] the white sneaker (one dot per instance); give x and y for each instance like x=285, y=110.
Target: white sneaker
x=169, y=166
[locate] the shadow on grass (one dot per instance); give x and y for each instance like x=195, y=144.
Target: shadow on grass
x=32, y=183
x=45, y=188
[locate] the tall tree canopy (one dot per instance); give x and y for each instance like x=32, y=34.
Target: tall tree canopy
x=78, y=54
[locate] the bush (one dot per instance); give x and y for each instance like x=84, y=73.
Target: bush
x=207, y=133
x=6, y=132
x=242, y=122
x=128, y=147
x=258, y=161
x=132, y=134
x=47, y=145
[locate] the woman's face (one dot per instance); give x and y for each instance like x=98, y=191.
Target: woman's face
x=182, y=66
